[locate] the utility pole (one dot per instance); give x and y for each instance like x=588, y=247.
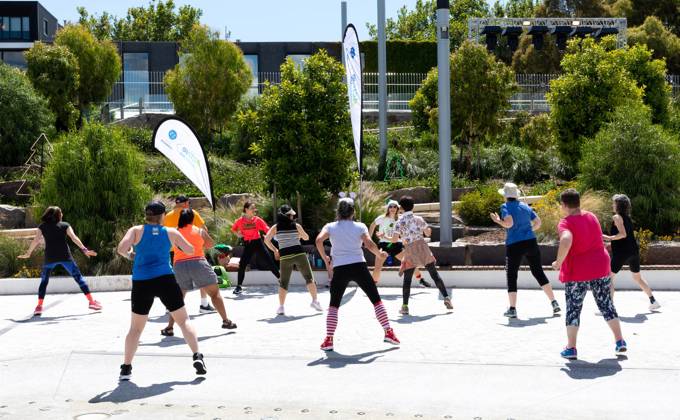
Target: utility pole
x=443, y=52
x=382, y=87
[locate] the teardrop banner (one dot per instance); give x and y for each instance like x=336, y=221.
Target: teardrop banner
x=175, y=139
x=350, y=46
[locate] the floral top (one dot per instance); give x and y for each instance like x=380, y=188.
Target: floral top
x=410, y=227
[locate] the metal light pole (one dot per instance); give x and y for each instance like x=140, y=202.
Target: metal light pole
x=382, y=86
x=343, y=21
x=445, y=234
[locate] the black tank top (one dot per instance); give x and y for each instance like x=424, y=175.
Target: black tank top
x=56, y=246
x=627, y=245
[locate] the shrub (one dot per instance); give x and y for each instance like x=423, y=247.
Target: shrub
x=476, y=206
x=138, y=136
x=95, y=176
x=631, y=155
x=24, y=115
x=244, y=130
x=9, y=250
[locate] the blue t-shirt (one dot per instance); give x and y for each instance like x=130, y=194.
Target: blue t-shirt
x=522, y=215
x=152, y=254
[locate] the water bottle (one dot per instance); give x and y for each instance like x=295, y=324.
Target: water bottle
x=389, y=261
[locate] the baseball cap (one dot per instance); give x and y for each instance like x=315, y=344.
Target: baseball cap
x=154, y=208
x=223, y=248
x=181, y=199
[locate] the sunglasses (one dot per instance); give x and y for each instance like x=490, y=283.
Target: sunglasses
x=392, y=207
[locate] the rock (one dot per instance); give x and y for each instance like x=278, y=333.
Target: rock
x=419, y=194
x=199, y=203
x=233, y=200
x=12, y=217
x=456, y=193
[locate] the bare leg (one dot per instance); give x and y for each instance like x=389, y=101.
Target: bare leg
x=512, y=298
x=182, y=319
x=548, y=290
x=572, y=333
x=312, y=290
x=637, y=278
x=204, y=295
x=615, y=326
x=137, y=323
x=171, y=321
x=379, y=262
x=214, y=292
x=282, y=295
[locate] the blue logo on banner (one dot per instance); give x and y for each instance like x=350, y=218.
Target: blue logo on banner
x=352, y=52
x=172, y=134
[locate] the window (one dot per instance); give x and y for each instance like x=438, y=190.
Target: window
x=253, y=64
x=14, y=59
x=46, y=27
x=15, y=28
x=25, y=28
x=4, y=27
x=298, y=59
x=136, y=77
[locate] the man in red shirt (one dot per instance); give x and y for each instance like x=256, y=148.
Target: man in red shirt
x=249, y=227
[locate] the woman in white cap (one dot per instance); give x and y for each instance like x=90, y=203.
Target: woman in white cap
x=385, y=224
x=520, y=222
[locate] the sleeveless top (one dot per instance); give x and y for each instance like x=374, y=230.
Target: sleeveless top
x=195, y=239
x=289, y=240
x=152, y=254
x=627, y=245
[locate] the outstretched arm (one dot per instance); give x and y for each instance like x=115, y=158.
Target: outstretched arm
x=76, y=240
x=37, y=240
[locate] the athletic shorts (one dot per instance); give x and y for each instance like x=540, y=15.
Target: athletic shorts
x=164, y=287
x=392, y=248
x=619, y=260
x=194, y=274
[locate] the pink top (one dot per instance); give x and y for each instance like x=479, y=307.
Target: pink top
x=250, y=228
x=587, y=258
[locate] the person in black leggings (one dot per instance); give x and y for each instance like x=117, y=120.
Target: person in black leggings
x=349, y=264
x=249, y=227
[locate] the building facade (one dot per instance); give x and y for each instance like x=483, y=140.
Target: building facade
x=21, y=24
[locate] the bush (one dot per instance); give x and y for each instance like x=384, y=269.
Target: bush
x=95, y=176
x=138, y=136
x=9, y=250
x=244, y=130
x=24, y=115
x=631, y=155
x=476, y=206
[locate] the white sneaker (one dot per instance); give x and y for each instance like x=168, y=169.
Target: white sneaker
x=280, y=311
x=654, y=306
x=316, y=305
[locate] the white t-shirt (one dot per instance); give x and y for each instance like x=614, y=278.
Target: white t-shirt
x=385, y=226
x=346, y=242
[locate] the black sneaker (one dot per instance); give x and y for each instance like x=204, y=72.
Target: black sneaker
x=125, y=372
x=556, y=307
x=206, y=309
x=511, y=313
x=424, y=283
x=237, y=290
x=199, y=364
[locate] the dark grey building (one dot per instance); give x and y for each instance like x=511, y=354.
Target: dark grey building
x=21, y=24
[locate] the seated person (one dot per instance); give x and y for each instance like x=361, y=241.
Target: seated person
x=220, y=259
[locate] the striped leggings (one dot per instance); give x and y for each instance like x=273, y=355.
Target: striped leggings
x=358, y=273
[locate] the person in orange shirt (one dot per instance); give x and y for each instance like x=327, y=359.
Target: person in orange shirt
x=192, y=271
x=172, y=221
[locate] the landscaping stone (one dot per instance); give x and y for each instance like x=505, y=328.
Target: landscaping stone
x=457, y=193
x=419, y=194
x=233, y=200
x=12, y=217
x=199, y=203
x=663, y=253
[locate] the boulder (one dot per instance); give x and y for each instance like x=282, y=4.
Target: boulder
x=419, y=194
x=233, y=200
x=12, y=217
x=457, y=193
x=199, y=203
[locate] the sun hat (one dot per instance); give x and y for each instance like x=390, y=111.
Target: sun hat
x=509, y=190
x=392, y=203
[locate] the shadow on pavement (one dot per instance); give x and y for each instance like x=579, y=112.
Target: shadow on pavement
x=176, y=341
x=580, y=369
x=129, y=391
x=637, y=319
x=49, y=320
x=398, y=296
x=409, y=319
x=280, y=319
x=529, y=322
x=164, y=318
x=336, y=360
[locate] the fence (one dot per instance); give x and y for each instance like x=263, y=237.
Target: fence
x=138, y=92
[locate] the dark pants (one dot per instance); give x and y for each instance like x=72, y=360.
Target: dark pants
x=255, y=247
x=69, y=266
x=358, y=273
x=513, y=259
x=408, y=275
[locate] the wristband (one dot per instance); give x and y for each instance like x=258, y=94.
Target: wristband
x=84, y=250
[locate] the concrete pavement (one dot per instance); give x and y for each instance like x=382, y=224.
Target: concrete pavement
x=466, y=364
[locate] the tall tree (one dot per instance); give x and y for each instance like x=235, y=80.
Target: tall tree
x=515, y=8
x=208, y=83
x=529, y=59
x=663, y=43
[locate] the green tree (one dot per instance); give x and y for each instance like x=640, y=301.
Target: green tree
x=667, y=11
x=210, y=80
x=585, y=95
x=158, y=21
x=574, y=8
x=245, y=130
x=528, y=59
x=54, y=72
x=98, y=63
x=24, y=115
x=651, y=179
x=95, y=176
x=662, y=42
x=306, y=143
x=515, y=8
x=481, y=87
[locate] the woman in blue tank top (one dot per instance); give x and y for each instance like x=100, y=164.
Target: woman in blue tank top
x=148, y=246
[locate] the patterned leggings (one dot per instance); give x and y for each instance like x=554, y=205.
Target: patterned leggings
x=575, y=293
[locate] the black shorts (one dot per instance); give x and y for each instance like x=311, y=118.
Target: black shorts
x=164, y=287
x=619, y=260
x=392, y=248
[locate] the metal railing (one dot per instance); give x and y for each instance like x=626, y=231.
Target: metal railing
x=138, y=92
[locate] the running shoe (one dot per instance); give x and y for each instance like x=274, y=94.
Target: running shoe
x=404, y=310
x=621, y=347
x=390, y=337
x=316, y=305
x=125, y=372
x=556, y=307
x=237, y=290
x=38, y=310
x=206, y=309
x=654, y=306
x=280, y=311
x=569, y=353
x=199, y=364
x=228, y=324
x=424, y=283
x=447, y=303
x=95, y=306
x=511, y=313
x=327, y=344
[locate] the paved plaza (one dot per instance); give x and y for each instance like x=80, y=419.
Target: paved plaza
x=471, y=363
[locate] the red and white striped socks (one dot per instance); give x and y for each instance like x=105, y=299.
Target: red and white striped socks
x=331, y=321
x=381, y=314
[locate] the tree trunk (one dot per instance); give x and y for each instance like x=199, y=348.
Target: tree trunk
x=299, y=207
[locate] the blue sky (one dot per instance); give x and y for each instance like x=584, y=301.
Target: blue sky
x=257, y=20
